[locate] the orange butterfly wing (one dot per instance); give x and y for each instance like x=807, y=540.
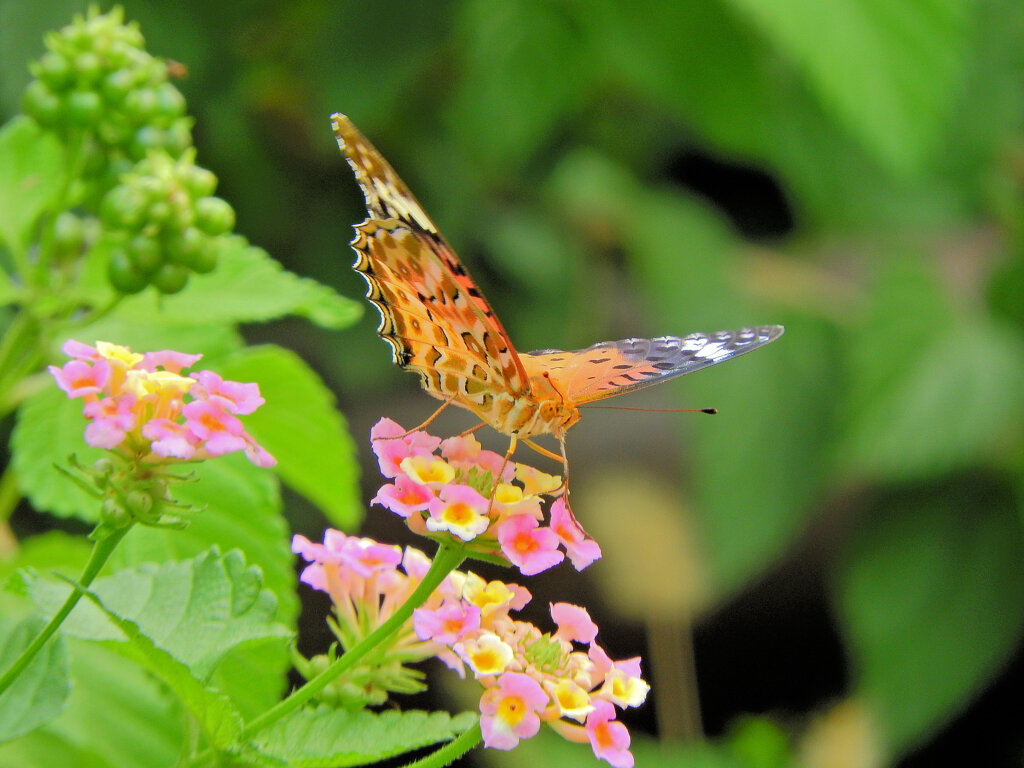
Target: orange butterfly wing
x=433, y=316
x=615, y=367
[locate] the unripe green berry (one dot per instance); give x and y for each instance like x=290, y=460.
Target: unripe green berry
x=160, y=211
x=113, y=514
x=139, y=503
x=54, y=70
x=145, y=252
x=124, y=207
x=146, y=139
x=206, y=259
x=114, y=132
x=88, y=67
x=179, y=136
x=117, y=85
x=140, y=104
x=199, y=181
x=84, y=108
x=170, y=102
x=184, y=248
x=40, y=102
x=170, y=278
x=123, y=274
x=214, y=215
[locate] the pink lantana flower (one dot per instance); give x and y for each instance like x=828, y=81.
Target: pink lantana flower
x=582, y=551
x=530, y=548
x=465, y=452
x=81, y=379
x=572, y=699
x=233, y=396
x=494, y=596
x=143, y=408
x=427, y=470
x=459, y=510
x=112, y=419
x=528, y=676
x=574, y=623
x=366, y=557
x=169, y=360
x=221, y=432
x=421, y=494
x=170, y=439
x=510, y=711
x=487, y=654
x=448, y=623
x=391, y=443
x=403, y=497
x=608, y=737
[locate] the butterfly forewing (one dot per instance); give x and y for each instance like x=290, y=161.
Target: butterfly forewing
x=614, y=367
x=432, y=314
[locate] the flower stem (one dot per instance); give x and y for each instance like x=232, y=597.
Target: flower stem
x=445, y=561
x=101, y=551
x=451, y=751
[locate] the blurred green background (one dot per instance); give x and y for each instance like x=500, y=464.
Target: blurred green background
x=834, y=565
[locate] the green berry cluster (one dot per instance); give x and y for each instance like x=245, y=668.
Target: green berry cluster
x=163, y=223
x=97, y=84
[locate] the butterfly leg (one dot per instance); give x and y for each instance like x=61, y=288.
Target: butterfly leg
x=508, y=456
x=549, y=454
x=565, y=484
x=471, y=430
x=425, y=424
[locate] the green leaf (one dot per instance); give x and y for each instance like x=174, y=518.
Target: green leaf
x=31, y=179
x=253, y=675
x=9, y=293
x=247, y=286
x=118, y=716
x=53, y=550
x=761, y=461
x=948, y=409
x=196, y=610
x=889, y=69
x=782, y=389
x=698, y=61
x=301, y=426
x=511, y=50
x=219, y=721
x=951, y=394
x=50, y=428
x=322, y=737
x=930, y=594
x=241, y=509
x=39, y=694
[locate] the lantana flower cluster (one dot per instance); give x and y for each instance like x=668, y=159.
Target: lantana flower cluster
x=562, y=678
x=455, y=488
x=143, y=407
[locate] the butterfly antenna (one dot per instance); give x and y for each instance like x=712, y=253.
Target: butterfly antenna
x=710, y=411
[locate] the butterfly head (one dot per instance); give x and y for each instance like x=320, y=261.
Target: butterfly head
x=552, y=413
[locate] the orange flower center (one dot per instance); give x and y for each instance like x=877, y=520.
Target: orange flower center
x=512, y=709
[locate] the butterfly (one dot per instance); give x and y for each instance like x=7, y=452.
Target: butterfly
x=439, y=324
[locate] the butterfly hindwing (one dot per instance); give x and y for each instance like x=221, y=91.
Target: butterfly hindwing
x=614, y=367
x=432, y=314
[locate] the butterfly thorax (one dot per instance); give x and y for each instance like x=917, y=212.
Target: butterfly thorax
x=544, y=411
x=541, y=411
